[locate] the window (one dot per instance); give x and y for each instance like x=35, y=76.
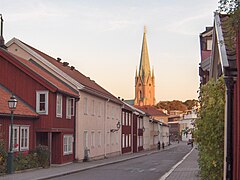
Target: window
x=123, y=118
x=59, y=105
x=100, y=109
x=108, y=138
x=99, y=138
x=129, y=140
x=117, y=139
x=67, y=144
x=24, y=138
x=15, y=137
x=20, y=134
x=85, y=106
x=112, y=138
x=108, y=111
x=93, y=108
x=209, y=44
x=126, y=136
x=127, y=119
x=123, y=140
x=42, y=102
x=85, y=135
x=113, y=112
x=69, y=107
x=92, y=139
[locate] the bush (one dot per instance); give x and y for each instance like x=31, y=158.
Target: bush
x=3, y=158
x=25, y=160
x=43, y=154
x=210, y=130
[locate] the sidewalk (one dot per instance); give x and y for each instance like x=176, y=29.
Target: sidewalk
x=76, y=167
x=187, y=169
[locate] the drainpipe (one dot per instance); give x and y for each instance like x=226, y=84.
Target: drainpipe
x=229, y=126
x=75, y=124
x=104, y=128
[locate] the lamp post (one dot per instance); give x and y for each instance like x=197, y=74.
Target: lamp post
x=12, y=104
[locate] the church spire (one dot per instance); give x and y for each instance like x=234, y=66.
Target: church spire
x=144, y=68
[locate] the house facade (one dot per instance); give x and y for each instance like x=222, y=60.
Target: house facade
x=97, y=112
x=225, y=62
x=52, y=100
x=23, y=123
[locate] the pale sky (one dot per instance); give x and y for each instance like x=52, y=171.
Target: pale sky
x=103, y=39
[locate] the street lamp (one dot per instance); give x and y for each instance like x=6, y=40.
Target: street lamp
x=12, y=104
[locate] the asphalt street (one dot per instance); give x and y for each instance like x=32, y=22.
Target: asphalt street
x=150, y=167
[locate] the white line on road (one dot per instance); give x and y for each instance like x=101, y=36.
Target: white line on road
x=175, y=166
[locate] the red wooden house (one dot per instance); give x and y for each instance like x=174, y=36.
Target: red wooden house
x=225, y=62
x=52, y=100
x=23, y=124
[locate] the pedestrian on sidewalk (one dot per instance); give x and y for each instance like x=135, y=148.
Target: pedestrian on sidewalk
x=159, y=145
x=163, y=145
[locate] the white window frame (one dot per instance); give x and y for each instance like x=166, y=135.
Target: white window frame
x=24, y=139
x=129, y=119
x=123, y=118
x=92, y=139
x=112, y=138
x=93, y=107
x=69, y=107
x=129, y=140
x=59, y=103
x=85, y=139
x=68, y=143
x=38, y=93
x=117, y=138
x=85, y=106
x=99, y=139
x=17, y=138
x=113, y=109
x=123, y=140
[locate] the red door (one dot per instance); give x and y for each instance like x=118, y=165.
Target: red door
x=134, y=124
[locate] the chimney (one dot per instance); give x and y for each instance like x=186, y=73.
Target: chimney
x=72, y=68
x=58, y=59
x=65, y=63
x=2, y=44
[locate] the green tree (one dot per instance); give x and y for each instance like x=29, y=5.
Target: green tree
x=210, y=130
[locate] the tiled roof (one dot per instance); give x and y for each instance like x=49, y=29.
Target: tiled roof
x=151, y=110
x=75, y=74
x=22, y=108
x=42, y=74
x=231, y=52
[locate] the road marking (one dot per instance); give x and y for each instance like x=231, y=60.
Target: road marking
x=152, y=169
x=175, y=166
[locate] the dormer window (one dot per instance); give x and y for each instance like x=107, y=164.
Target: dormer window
x=209, y=44
x=42, y=102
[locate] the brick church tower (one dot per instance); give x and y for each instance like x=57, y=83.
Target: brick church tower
x=144, y=80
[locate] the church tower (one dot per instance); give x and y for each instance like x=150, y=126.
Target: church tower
x=144, y=79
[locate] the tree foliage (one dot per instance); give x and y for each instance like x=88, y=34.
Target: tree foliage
x=210, y=130
x=177, y=105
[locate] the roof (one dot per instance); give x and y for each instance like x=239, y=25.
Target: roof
x=132, y=108
x=227, y=55
x=38, y=72
x=22, y=108
x=151, y=110
x=89, y=85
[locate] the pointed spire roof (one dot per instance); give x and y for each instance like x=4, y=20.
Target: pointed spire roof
x=144, y=68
